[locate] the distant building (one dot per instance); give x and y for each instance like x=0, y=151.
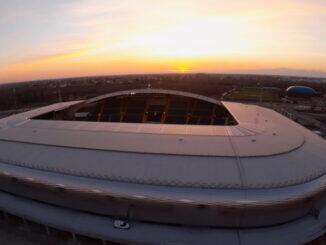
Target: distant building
x=300, y=92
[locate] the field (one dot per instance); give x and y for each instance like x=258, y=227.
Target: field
x=253, y=94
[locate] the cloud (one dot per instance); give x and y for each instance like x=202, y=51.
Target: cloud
x=91, y=8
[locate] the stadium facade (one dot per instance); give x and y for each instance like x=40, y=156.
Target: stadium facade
x=158, y=166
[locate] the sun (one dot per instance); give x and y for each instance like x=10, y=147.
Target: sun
x=183, y=69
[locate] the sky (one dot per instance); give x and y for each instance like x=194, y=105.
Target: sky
x=41, y=39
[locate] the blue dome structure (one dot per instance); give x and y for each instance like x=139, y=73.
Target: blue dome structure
x=300, y=91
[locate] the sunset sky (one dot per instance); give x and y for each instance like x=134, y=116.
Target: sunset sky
x=61, y=38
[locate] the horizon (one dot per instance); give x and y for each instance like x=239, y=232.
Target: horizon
x=46, y=40
x=323, y=79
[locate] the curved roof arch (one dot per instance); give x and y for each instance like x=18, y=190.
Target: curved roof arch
x=153, y=91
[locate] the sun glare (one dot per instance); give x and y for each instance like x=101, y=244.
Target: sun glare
x=205, y=37
x=183, y=69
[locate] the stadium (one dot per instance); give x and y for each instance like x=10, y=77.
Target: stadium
x=155, y=166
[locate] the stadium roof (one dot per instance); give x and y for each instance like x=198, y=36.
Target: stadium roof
x=255, y=168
